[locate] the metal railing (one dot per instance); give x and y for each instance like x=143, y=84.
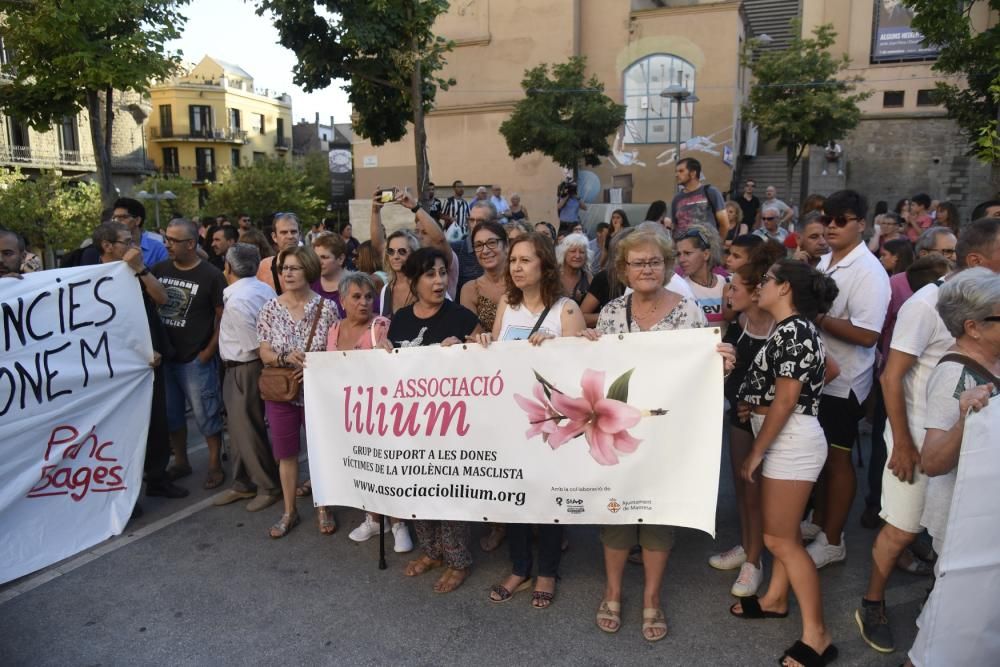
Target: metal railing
x=35, y=157
x=205, y=134
x=283, y=143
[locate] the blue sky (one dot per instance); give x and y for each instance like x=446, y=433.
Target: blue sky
x=231, y=31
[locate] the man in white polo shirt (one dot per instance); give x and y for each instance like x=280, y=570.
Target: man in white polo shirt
x=850, y=331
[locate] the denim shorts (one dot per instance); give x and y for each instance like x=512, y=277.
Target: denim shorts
x=196, y=384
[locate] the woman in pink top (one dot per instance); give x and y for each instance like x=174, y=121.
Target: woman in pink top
x=362, y=329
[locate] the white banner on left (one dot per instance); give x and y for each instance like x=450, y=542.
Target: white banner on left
x=75, y=393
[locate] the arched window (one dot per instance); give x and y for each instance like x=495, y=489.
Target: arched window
x=649, y=118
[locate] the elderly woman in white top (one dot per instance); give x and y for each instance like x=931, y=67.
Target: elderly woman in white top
x=645, y=261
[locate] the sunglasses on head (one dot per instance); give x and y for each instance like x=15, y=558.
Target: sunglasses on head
x=696, y=234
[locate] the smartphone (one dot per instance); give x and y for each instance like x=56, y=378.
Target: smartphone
x=387, y=196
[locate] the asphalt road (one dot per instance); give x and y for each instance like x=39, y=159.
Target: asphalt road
x=192, y=584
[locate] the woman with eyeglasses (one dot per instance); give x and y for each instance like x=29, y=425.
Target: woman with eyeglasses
x=783, y=388
x=398, y=292
x=607, y=284
x=434, y=319
x=645, y=260
x=481, y=296
x=887, y=227
x=533, y=309
x=574, y=257
x=699, y=253
x=289, y=326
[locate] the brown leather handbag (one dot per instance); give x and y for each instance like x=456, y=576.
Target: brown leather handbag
x=277, y=383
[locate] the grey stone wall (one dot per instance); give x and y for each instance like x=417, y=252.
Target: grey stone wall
x=893, y=158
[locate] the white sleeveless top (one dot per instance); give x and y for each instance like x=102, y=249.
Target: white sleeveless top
x=518, y=321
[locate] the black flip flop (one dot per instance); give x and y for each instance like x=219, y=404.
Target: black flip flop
x=752, y=610
x=806, y=656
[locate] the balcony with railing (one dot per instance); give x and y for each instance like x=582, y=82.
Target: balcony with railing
x=29, y=157
x=282, y=144
x=222, y=135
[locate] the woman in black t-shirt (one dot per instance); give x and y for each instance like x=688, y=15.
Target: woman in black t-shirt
x=783, y=387
x=434, y=319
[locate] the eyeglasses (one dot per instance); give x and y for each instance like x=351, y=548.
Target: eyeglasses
x=992, y=318
x=642, y=265
x=769, y=218
x=289, y=267
x=127, y=243
x=766, y=278
x=947, y=252
x=392, y=252
x=483, y=245
x=170, y=240
x=839, y=220
x=119, y=218
x=476, y=221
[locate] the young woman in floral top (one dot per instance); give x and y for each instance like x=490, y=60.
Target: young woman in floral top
x=783, y=387
x=645, y=260
x=283, y=330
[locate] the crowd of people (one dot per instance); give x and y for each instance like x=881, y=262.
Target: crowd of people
x=828, y=314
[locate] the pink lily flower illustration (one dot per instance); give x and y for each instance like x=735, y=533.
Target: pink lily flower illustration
x=603, y=421
x=541, y=416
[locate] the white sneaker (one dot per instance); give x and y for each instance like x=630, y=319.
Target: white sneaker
x=823, y=553
x=402, y=537
x=748, y=582
x=729, y=560
x=367, y=530
x=809, y=530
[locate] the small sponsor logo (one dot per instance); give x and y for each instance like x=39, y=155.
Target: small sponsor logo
x=574, y=505
x=613, y=506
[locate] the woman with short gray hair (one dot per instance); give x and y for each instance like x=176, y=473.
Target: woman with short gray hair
x=967, y=376
x=574, y=257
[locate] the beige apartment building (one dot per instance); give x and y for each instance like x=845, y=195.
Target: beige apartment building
x=904, y=144
x=637, y=48
x=211, y=119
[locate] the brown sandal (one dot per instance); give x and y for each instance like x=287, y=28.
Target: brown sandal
x=421, y=565
x=492, y=540
x=324, y=517
x=305, y=490
x=500, y=593
x=451, y=579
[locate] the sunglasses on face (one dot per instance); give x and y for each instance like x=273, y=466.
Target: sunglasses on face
x=838, y=220
x=992, y=318
x=402, y=252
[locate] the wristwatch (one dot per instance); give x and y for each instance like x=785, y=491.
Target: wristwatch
x=415, y=208
x=144, y=272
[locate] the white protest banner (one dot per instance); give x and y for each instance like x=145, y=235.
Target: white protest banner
x=959, y=623
x=624, y=430
x=75, y=392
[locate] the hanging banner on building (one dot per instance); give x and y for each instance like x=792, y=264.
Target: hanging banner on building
x=624, y=430
x=892, y=36
x=75, y=392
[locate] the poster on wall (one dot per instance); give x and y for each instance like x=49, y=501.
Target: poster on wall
x=892, y=36
x=620, y=431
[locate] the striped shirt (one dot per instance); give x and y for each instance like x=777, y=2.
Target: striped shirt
x=458, y=210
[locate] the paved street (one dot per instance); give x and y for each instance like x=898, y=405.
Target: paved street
x=192, y=584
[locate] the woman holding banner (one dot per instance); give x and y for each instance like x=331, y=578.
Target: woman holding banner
x=644, y=260
x=394, y=250
x=783, y=388
x=362, y=329
x=289, y=326
x=431, y=320
x=533, y=310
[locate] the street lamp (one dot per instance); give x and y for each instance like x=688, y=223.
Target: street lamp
x=156, y=196
x=679, y=94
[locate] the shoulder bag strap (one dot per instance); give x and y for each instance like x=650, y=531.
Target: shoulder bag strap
x=276, y=275
x=628, y=312
x=971, y=364
x=541, y=318
x=312, y=331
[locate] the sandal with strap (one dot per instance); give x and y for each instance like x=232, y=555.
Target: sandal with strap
x=324, y=517
x=542, y=599
x=610, y=611
x=305, y=490
x=653, y=619
x=492, y=540
x=750, y=608
x=452, y=578
x=807, y=656
x=421, y=565
x=500, y=594
x=283, y=525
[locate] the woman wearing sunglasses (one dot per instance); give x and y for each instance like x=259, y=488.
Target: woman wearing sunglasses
x=402, y=243
x=783, y=388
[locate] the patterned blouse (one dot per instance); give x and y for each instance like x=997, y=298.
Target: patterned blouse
x=685, y=315
x=276, y=327
x=796, y=351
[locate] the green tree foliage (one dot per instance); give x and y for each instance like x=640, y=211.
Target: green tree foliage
x=49, y=212
x=566, y=117
x=316, y=166
x=975, y=106
x=800, y=97
x=386, y=50
x=268, y=186
x=68, y=56
x=186, y=204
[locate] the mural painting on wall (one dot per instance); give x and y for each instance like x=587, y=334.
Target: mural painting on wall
x=623, y=156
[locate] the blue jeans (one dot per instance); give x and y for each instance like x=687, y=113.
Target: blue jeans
x=196, y=384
